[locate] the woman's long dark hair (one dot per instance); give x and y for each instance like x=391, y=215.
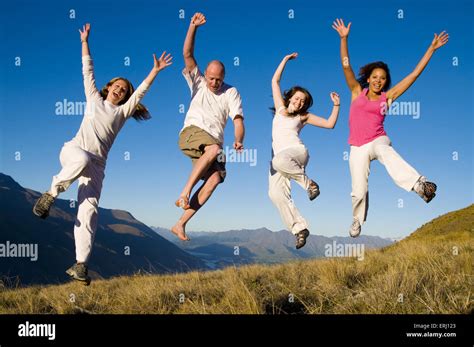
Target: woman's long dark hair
x=366, y=70
x=287, y=94
x=141, y=112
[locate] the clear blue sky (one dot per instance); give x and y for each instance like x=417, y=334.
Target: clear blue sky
x=259, y=33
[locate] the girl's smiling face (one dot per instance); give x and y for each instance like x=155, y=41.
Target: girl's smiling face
x=377, y=80
x=297, y=102
x=117, y=92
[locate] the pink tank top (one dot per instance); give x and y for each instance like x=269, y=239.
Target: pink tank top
x=366, y=119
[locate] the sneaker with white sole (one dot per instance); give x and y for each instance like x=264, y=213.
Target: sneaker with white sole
x=355, y=229
x=426, y=190
x=79, y=273
x=313, y=190
x=43, y=205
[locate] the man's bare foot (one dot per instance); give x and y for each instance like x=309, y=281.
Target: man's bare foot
x=183, y=202
x=179, y=231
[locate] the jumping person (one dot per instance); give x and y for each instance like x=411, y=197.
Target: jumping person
x=84, y=157
x=371, y=98
x=290, y=155
x=201, y=138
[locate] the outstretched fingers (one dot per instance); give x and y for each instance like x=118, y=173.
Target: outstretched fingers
x=339, y=26
x=440, y=39
x=165, y=60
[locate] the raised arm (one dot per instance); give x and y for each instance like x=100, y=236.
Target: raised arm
x=329, y=123
x=276, y=90
x=188, y=49
x=90, y=89
x=351, y=81
x=438, y=41
x=158, y=64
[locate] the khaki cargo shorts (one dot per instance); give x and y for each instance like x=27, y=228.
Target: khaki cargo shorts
x=193, y=140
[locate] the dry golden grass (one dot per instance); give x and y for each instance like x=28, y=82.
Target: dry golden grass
x=429, y=272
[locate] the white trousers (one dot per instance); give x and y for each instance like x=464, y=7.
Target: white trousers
x=79, y=164
x=286, y=165
x=399, y=170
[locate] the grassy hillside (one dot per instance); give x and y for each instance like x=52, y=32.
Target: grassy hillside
x=431, y=271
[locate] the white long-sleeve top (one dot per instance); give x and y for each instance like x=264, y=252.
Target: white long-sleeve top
x=102, y=120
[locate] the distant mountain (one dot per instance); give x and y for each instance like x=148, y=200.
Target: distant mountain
x=123, y=245
x=238, y=247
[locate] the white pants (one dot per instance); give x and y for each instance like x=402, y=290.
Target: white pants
x=79, y=164
x=359, y=162
x=288, y=164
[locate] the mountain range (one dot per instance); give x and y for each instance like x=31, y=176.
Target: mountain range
x=238, y=247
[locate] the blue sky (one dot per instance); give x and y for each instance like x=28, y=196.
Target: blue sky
x=259, y=33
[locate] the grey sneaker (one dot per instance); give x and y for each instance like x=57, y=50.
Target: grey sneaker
x=43, y=204
x=313, y=190
x=426, y=190
x=301, y=238
x=355, y=229
x=79, y=272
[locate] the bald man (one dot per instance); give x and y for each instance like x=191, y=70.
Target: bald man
x=202, y=137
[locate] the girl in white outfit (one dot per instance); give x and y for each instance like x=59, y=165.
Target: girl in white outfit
x=290, y=156
x=84, y=157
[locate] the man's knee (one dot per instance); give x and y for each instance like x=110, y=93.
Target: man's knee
x=213, y=150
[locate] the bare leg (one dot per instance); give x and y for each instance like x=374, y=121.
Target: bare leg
x=198, y=200
x=200, y=167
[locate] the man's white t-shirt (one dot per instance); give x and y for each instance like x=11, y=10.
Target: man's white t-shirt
x=210, y=111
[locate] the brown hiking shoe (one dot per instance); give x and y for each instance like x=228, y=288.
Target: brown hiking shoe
x=43, y=204
x=313, y=190
x=426, y=190
x=301, y=238
x=79, y=273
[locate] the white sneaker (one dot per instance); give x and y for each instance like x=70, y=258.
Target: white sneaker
x=354, y=231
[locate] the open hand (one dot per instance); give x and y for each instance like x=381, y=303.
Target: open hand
x=85, y=32
x=440, y=40
x=164, y=61
x=342, y=30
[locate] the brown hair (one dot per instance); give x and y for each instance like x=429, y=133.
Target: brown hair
x=308, y=102
x=141, y=112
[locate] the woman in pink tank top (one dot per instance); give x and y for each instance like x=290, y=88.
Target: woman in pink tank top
x=371, y=98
